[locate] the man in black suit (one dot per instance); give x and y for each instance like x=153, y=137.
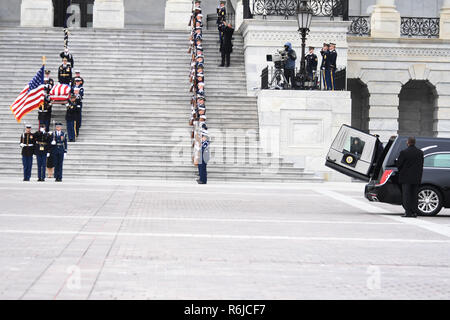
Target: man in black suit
x=410, y=167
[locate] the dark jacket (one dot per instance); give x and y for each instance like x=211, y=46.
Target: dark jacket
x=325, y=56
x=65, y=74
x=311, y=62
x=41, y=143
x=73, y=111
x=69, y=57
x=292, y=56
x=226, y=45
x=332, y=59
x=410, y=165
x=28, y=140
x=45, y=111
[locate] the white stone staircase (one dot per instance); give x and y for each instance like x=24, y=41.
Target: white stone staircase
x=136, y=107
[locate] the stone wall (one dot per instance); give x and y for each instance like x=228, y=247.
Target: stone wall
x=10, y=12
x=407, y=8
x=299, y=126
x=386, y=65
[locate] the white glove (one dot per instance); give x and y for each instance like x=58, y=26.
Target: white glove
x=22, y=145
x=50, y=132
x=65, y=155
x=48, y=155
x=53, y=142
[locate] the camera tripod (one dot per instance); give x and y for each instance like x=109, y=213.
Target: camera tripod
x=278, y=80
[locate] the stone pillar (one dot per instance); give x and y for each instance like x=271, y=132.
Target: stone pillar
x=444, y=24
x=383, y=112
x=36, y=13
x=109, y=14
x=239, y=14
x=385, y=20
x=178, y=14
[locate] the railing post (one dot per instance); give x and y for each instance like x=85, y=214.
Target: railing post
x=444, y=23
x=385, y=20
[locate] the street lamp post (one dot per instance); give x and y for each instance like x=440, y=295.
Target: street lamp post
x=304, y=17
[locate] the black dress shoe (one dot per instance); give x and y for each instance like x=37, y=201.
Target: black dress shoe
x=221, y=65
x=200, y=182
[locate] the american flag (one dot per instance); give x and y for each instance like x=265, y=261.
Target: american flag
x=60, y=92
x=31, y=97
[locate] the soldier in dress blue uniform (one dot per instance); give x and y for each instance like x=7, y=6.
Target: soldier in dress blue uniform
x=78, y=90
x=72, y=116
x=221, y=17
x=59, y=150
x=77, y=75
x=42, y=142
x=311, y=63
x=45, y=113
x=204, y=158
x=27, y=145
x=324, y=53
x=331, y=67
x=65, y=73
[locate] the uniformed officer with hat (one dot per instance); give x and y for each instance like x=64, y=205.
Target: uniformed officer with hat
x=311, y=63
x=331, y=67
x=72, y=116
x=48, y=82
x=65, y=73
x=59, y=150
x=27, y=145
x=42, y=142
x=324, y=53
x=204, y=157
x=45, y=113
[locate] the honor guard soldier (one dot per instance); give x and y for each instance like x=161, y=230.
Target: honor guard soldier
x=331, y=67
x=42, y=142
x=65, y=73
x=311, y=63
x=59, y=149
x=77, y=75
x=78, y=90
x=72, y=116
x=204, y=158
x=324, y=53
x=45, y=113
x=66, y=54
x=27, y=145
x=221, y=17
x=48, y=82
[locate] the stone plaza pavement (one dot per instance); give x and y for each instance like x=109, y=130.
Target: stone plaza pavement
x=101, y=239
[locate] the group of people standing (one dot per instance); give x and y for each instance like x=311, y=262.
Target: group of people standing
x=50, y=147
x=226, y=31
x=199, y=134
x=327, y=67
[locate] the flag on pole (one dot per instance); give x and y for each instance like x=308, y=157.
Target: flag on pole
x=31, y=97
x=60, y=92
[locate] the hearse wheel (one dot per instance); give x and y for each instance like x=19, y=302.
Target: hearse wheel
x=430, y=201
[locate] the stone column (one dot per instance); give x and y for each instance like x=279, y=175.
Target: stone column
x=178, y=13
x=383, y=112
x=109, y=14
x=385, y=20
x=239, y=17
x=444, y=24
x=36, y=13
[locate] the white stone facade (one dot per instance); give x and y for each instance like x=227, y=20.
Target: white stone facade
x=262, y=37
x=299, y=126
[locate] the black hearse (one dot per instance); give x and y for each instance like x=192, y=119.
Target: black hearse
x=362, y=156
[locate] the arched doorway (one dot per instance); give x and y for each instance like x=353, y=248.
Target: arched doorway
x=418, y=100
x=79, y=13
x=360, y=104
